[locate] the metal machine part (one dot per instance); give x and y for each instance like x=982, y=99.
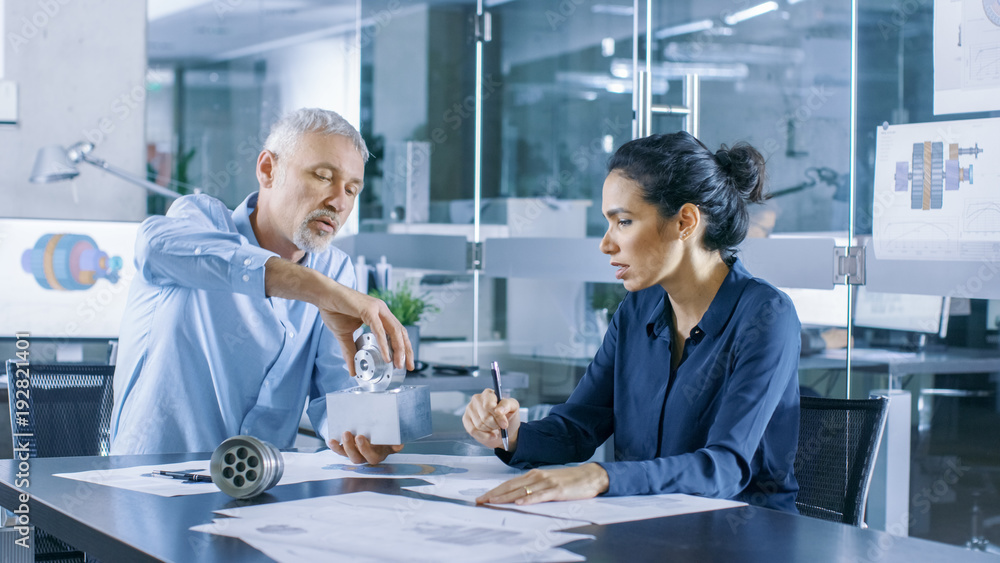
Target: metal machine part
x=373, y=373
x=244, y=466
x=396, y=416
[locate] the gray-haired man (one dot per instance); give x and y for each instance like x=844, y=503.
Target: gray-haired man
x=235, y=317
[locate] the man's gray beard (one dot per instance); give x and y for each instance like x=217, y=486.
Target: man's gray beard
x=312, y=241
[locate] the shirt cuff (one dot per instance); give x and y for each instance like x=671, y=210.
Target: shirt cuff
x=624, y=479
x=521, y=457
x=246, y=270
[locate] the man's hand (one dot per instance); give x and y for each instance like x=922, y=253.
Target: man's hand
x=345, y=315
x=542, y=485
x=360, y=450
x=484, y=418
x=342, y=309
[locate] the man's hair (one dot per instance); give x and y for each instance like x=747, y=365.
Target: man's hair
x=287, y=131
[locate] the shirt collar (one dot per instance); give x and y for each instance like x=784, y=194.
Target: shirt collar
x=241, y=217
x=725, y=300
x=718, y=313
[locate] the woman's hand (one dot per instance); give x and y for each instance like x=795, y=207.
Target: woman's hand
x=542, y=485
x=484, y=418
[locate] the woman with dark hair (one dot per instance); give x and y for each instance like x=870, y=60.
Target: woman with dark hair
x=697, y=375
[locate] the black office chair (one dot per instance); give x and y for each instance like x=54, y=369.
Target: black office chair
x=838, y=443
x=66, y=412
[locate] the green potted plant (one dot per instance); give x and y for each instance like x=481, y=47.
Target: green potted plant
x=408, y=307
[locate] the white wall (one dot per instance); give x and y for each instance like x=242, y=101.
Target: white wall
x=325, y=73
x=79, y=65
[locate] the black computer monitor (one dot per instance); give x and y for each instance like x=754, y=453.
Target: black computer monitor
x=65, y=279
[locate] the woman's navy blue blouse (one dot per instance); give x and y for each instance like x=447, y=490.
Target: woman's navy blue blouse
x=724, y=424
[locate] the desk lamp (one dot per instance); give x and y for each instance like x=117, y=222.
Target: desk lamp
x=55, y=163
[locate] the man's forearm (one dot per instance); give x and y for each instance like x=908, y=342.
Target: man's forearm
x=288, y=280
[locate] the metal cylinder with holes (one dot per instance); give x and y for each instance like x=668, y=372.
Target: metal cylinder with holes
x=244, y=466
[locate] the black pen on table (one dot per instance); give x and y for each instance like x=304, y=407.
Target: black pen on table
x=194, y=477
x=495, y=369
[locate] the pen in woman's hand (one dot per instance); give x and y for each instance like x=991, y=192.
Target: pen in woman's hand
x=495, y=370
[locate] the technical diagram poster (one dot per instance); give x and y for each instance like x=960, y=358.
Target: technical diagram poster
x=65, y=279
x=937, y=191
x=966, y=56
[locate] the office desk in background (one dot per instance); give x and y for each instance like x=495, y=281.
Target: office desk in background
x=465, y=383
x=119, y=525
x=899, y=364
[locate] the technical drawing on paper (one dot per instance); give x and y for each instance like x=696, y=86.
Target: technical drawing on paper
x=937, y=191
x=982, y=216
x=966, y=56
x=398, y=469
x=932, y=173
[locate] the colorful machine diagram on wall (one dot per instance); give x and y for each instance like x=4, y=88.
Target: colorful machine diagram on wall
x=69, y=262
x=932, y=173
x=936, y=193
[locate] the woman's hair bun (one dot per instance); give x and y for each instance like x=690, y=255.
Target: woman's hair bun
x=744, y=166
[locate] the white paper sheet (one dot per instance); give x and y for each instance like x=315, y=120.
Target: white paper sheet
x=601, y=510
x=299, y=468
x=292, y=553
x=367, y=526
x=400, y=508
x=141, y=479
x=609, y=510
x=459, y=489
x=966, y=58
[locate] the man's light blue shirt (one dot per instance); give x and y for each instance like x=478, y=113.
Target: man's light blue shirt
x=204, y=354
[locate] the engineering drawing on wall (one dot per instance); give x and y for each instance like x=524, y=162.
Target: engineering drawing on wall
x=966, y=56
x=934, y=197
x=932, y=174
x=70, y=278
x=69, y=262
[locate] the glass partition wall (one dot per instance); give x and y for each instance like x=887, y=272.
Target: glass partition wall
x=559, y=87
x=926, y=214
x=490, y=123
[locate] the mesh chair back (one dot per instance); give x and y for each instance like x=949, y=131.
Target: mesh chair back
x=838, y=443
x=64, y=411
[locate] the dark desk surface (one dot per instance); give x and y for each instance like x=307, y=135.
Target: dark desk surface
x=119, y=525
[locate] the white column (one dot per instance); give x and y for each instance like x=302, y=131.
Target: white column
x=889, y=494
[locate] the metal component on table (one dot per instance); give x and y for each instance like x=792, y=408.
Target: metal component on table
x=388, y=417
x=374, y=373
x=244, y=466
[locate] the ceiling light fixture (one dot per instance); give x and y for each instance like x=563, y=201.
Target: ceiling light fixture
x=743, y=15
x=684, y=29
